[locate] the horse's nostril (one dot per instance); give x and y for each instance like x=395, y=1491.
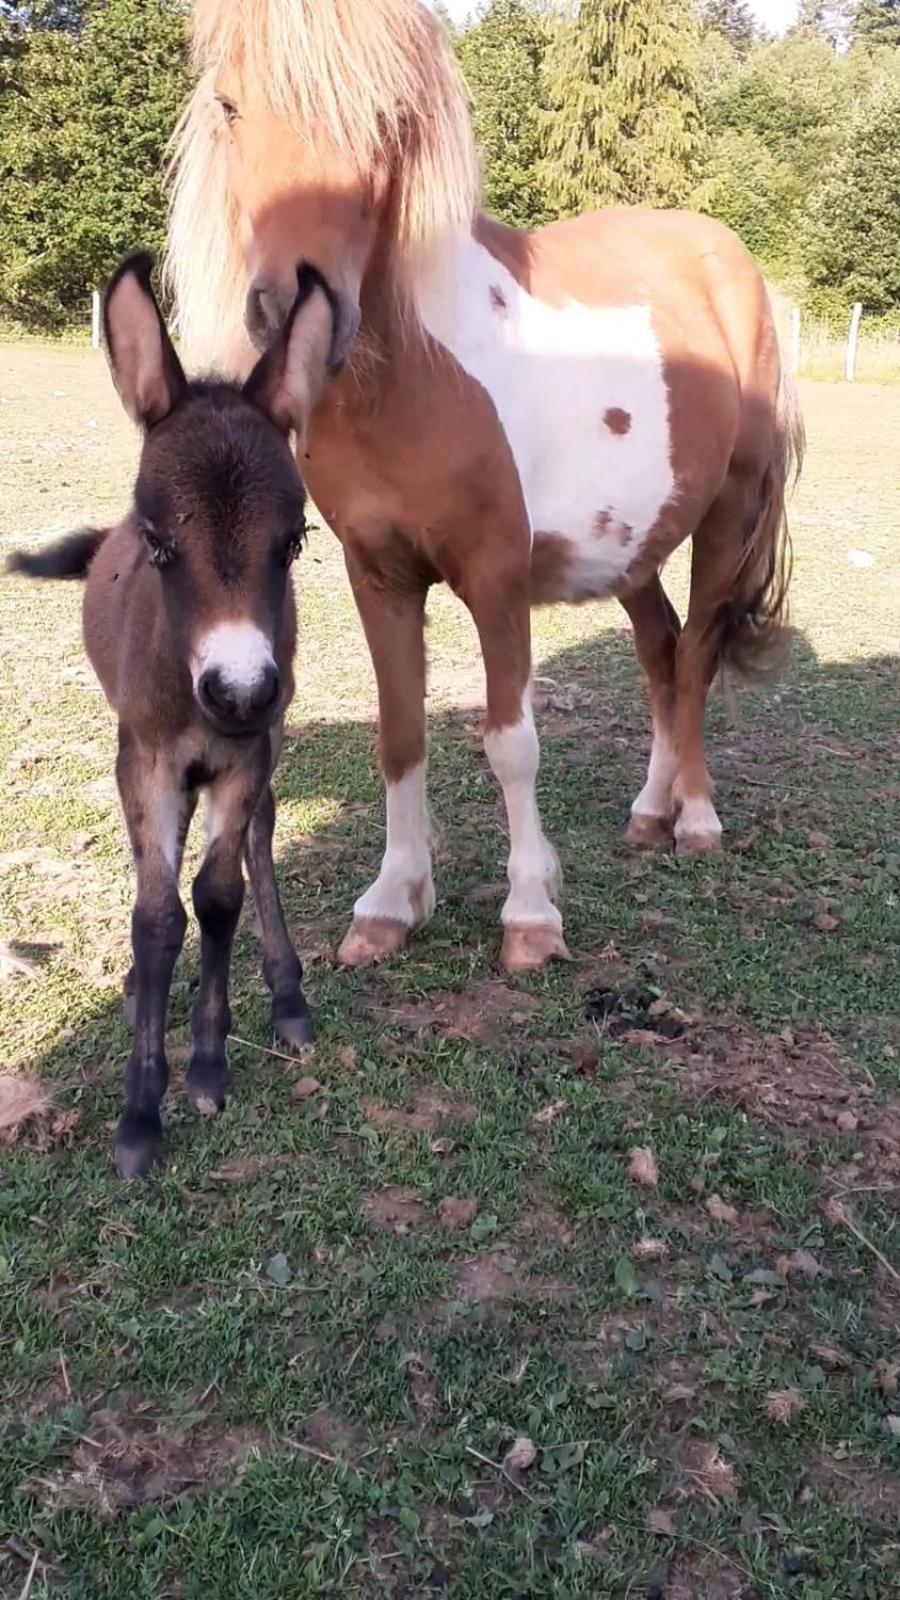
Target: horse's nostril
x=266, y=690
x=263, y=315
x=215, y=693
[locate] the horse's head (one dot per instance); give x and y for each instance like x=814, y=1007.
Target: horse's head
x=334, y=132
x=296, y=195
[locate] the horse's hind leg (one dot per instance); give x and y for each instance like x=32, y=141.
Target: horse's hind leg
x=281, y=964
x=656, y=631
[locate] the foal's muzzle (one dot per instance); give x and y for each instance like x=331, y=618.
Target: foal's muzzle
x=234, y=713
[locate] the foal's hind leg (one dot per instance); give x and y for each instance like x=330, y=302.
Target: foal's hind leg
x=656, y=630
x=281, y=964
x=218, y=893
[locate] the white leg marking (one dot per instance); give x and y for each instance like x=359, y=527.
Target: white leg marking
x=238, y=651
x=533, y=870
x=698, y=817
x=169, y=830
x=403, y=891
x=655, y=799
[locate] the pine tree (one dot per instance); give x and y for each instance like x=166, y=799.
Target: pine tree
x=733, y=19
x=877, y=22
x=850, y=239
x=622, y=124
x=501, y=56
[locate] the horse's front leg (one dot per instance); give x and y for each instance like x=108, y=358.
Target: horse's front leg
x=218, y=893
x=157, y=812
x=500, y=603
x=391, y=606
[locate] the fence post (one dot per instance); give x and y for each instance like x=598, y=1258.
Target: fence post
x=95, y=320
x=852, y=337
x=795, y=338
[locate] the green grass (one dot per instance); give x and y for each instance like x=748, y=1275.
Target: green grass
x=234, y=1381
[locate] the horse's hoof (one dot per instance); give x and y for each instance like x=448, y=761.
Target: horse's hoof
x=645, y=832
x=526, y=948
x=697, y=844
x=371, y=939
x=295, y=1030
x=139, y=1144
x=207, y=1085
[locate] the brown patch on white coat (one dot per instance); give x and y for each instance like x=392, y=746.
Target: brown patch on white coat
x=189, y=623
x=472, y=450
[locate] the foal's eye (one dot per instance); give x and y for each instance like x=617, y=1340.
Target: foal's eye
x=292, y=545
x=160, y=550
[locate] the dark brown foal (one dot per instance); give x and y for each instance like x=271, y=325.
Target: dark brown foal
x=189, y=623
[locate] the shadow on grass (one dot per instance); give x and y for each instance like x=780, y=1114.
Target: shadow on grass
x=807, y=789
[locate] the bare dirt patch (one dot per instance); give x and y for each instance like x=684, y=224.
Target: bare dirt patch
x=20, y=1099
x=540, y=1222
x=454, y=1212
x=431, y=1105
x=487, y=1011
x=497, y=1276
x=856, y=1483
x=398, y=1210
x=126, y=1459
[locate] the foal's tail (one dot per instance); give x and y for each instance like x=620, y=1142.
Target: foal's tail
x=66, y=558
x=754, y=631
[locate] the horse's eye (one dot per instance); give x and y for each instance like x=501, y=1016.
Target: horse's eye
x=229, y=109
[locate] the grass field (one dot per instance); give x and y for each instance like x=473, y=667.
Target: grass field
x=296, y=1362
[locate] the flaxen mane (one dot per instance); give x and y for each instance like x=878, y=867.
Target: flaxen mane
x=376, y=77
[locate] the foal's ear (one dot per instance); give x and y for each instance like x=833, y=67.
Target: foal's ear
x=287, y=381
x=145, y=369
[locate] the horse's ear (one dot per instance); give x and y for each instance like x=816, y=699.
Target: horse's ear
x=287, y=381
x=145, y=369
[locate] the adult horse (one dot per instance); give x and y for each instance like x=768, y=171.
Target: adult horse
x=529, y=417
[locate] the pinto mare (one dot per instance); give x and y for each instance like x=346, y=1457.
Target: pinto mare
x=189, y=623
x=529, y=417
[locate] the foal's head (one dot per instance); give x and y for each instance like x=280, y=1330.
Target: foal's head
x=218, y=503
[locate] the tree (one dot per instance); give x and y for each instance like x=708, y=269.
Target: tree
x=501, y=55
x=854, y=220
x=84, y=124
x=877, y=22
x=734, y=20
x=622, y=123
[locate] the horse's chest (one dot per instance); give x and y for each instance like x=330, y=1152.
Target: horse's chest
x=581, y=396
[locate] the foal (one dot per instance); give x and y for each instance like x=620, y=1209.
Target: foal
x=189, y=623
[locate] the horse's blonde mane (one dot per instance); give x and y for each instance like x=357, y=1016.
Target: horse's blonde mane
x=376, y=77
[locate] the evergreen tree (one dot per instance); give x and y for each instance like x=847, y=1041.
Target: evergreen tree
x=854, y=219
x=877, y=22
x=622, y=122
x=733, y=19
x=501, y=56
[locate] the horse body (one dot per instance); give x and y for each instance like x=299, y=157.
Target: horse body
x=528, y=417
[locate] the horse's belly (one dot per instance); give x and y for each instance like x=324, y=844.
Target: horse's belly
x=581, y=395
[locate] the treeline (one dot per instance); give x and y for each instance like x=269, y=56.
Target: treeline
x=794, y=142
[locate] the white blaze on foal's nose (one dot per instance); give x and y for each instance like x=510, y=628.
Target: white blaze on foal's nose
x=241, y=655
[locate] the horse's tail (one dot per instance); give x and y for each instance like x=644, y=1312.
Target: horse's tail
x=66, y=558
x=754, y=631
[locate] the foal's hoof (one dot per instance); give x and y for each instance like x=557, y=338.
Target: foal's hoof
x=295, y=1030
x=207, y=1085
x=697, y=844
x=139, y=1144
x=371, y=939
x=645, y=832
x=526, y=948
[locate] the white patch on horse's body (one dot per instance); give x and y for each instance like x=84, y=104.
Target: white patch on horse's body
x=404, y=890
x=533, y=869
x=238, y=651
x=581, y=396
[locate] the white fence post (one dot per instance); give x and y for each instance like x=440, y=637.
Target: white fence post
x=95, y=320
x=795, y=338
x=852, y=337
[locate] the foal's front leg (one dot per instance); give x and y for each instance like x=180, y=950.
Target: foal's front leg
x=157, y=812
x=218, y=894
x=281, y=964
